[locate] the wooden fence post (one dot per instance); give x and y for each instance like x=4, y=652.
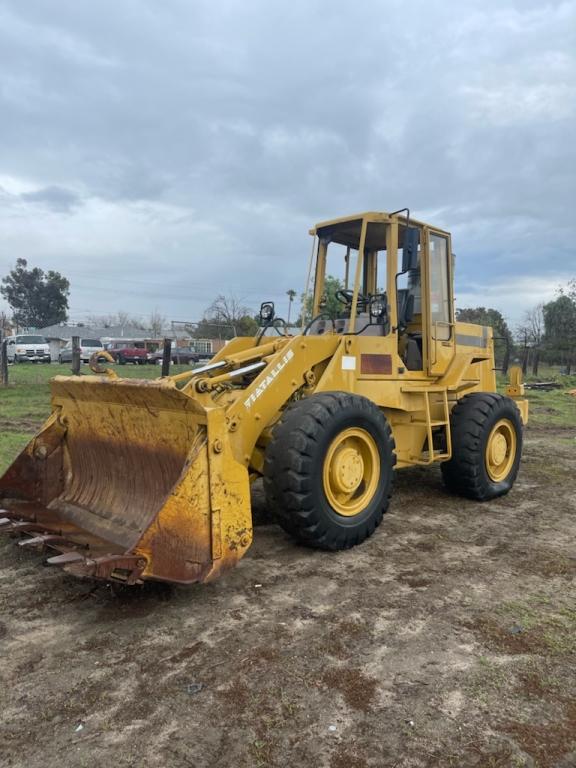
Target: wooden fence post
x=3, y=361
x=166, y=356
x=76, y=355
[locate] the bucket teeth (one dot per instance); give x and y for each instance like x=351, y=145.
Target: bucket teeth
x=124, y=568
x=65, y=559
x=18, y=526
x=6, y=513
x=50, y=539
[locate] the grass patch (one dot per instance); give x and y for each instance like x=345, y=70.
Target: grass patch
x=11, y=443
x=555, y=408
x=489, y=678
x=554, y=625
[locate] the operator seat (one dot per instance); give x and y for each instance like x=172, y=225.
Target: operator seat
x=411, y=342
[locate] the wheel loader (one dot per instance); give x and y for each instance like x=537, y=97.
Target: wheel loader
x=132, y=480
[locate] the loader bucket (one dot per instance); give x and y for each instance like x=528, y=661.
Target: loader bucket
x=130, y=480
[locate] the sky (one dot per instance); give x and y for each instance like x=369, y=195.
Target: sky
x=159, y=154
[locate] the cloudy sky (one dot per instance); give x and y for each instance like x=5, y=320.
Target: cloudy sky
x=159, y=153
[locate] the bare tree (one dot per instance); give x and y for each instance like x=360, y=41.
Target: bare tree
x=535, y=325
x=227, y=309
x=227, y=317
x=156, y=323
x=530, y=336
x=119, y=318
x=522, y=337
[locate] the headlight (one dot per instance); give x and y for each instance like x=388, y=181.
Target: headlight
x=20, y=350
x=266, y=312
x=377, y=308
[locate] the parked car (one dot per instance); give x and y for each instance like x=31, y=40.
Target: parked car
x=127, y=352
x=87, y=349
x=179, y=355
x=25, y=348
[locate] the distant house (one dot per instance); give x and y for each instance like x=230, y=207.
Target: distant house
x=58, y=336
x=118, y=332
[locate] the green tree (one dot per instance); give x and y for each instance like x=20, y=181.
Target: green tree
x=330, y=304
x=291, y=296
x=560, y=326
x=493, y=318
x=36, y=298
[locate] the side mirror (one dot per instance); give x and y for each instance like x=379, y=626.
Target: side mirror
x=410, y=249
x=266, y=312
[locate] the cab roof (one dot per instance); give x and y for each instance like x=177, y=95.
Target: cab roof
x=345, y=230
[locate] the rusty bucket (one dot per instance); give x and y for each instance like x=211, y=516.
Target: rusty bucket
x=121, y=483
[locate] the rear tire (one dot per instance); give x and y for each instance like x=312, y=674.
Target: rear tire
x=121, y=360
x=486, y=446
x=328, y=470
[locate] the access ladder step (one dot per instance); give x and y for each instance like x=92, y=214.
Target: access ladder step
x=425, y=459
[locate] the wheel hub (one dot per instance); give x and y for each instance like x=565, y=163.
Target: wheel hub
x=347, y=470
x=498, y=449
x=351, y=471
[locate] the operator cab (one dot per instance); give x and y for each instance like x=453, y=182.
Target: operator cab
x=381, y=293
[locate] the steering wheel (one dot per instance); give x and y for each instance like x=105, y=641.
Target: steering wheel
x=345, y=296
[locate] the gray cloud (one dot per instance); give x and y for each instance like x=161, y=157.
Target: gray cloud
x=55, y=198
x=198, y=142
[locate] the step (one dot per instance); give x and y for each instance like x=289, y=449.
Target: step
x=431, y=423
x=426, y=459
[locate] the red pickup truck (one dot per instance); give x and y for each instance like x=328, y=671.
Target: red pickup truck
x=128, y=352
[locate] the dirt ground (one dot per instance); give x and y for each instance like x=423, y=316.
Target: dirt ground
x=448, y=639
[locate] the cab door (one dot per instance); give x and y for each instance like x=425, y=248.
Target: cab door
x=439, y=309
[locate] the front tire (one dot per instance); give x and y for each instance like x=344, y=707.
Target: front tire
x=328, y=470
x=486, y=446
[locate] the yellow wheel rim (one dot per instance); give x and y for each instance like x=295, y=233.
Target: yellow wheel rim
x=501, y=450
x=351, y=471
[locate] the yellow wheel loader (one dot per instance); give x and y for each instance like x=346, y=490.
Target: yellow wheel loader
x=131, y=480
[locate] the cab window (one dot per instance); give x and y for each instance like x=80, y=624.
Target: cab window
x=440, y=309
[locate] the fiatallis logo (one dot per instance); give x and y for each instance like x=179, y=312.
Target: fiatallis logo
x=264, y=384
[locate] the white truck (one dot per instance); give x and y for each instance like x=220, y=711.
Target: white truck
x=27, y=349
